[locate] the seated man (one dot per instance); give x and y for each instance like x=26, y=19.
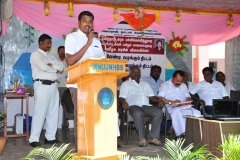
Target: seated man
x=154, y=79
x=155, y=82
x=208, y=90
x=220, y=77
x=172, y=92
x=134, y=96
x=189, y=85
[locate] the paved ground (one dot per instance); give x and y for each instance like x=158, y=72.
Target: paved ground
x=17, y=148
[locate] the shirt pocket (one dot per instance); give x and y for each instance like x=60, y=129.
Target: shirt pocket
x=96, y=50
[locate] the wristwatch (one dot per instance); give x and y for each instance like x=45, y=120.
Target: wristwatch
x=170, y=103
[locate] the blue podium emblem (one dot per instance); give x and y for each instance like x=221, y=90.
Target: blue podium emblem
x=105, y=98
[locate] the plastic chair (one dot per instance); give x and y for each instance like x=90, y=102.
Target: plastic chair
x=235, y=94
x=127, y=118
x=68, y=109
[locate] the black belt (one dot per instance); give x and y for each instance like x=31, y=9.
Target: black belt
x=41, y=80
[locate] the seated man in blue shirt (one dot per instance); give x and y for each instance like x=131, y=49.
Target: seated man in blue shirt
x=134, y=96
x=154, y=79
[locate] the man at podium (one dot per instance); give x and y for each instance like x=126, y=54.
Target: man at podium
x=134, y=96
x=81, y=45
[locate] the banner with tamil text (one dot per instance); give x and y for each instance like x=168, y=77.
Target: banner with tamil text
x=123, y=42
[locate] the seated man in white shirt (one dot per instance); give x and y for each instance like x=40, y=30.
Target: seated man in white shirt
x=189, y=85
x=220, y=77
x=134, y=96
x=172, y=92
x=208, y=90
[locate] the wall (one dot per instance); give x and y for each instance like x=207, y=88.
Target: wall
x=232, y=61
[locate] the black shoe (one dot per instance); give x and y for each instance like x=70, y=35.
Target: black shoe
x=51, y=142
x=182, y=137
x=119, y=146
x=35, y=144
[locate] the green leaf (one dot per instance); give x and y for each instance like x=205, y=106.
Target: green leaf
x=74, y=29
x=185, y=49
x=25, y=36
x=173, y=36
x=26, y=29
x=185, y=43
x=64, y=36
x=184, y=37
x=180, y=53
x=168, y=46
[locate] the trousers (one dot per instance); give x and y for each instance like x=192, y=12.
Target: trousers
x=138, y=114
x=46, y=107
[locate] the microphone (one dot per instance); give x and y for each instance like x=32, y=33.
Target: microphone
x=91, y=29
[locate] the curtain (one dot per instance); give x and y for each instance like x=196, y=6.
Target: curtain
x=58, y=22
x=200, y=29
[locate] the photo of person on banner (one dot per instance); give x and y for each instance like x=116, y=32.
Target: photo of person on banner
x=159, y=48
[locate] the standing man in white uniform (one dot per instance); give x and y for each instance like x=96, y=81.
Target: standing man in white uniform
x=81, y=45
x=62, y=76
x=172, y=92
x=44, y=72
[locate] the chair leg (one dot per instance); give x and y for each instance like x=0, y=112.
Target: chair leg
x=147, y=131
x=122, y=126
x=65, y=127
x=126, y=139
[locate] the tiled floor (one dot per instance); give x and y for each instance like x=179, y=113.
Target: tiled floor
x=17, y=148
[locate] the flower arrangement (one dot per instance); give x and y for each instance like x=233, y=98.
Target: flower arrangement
x=115, y=13
x=158, y=17
x=177, y=44
x=139, y=13
x=178, y=16
x=46, y=6
x=230, y=20
x=70, y=9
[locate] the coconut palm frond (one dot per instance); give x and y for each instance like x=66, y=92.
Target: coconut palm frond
x=175, y=151
x=147, y=158
x=231, y=147
x=57, y=152
x=124, y=157
x=71, y=156
x=201, y=153
x=53, y=153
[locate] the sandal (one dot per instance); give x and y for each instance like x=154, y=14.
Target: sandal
x=155, y=142
x=142, y=143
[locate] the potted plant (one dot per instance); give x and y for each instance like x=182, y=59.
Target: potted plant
x=3, y=140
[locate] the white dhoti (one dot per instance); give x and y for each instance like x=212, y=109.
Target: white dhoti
x=178, y=119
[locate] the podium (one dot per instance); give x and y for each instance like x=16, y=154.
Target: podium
x=97, y=106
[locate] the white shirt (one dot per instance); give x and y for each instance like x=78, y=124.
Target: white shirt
x=191, y=85
x=208, y=91
x=170, y=92
x=136, y=94
x=40, y=70
x=62, y=77
x=76, y=40
x=228, y=88
x=155, y=85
